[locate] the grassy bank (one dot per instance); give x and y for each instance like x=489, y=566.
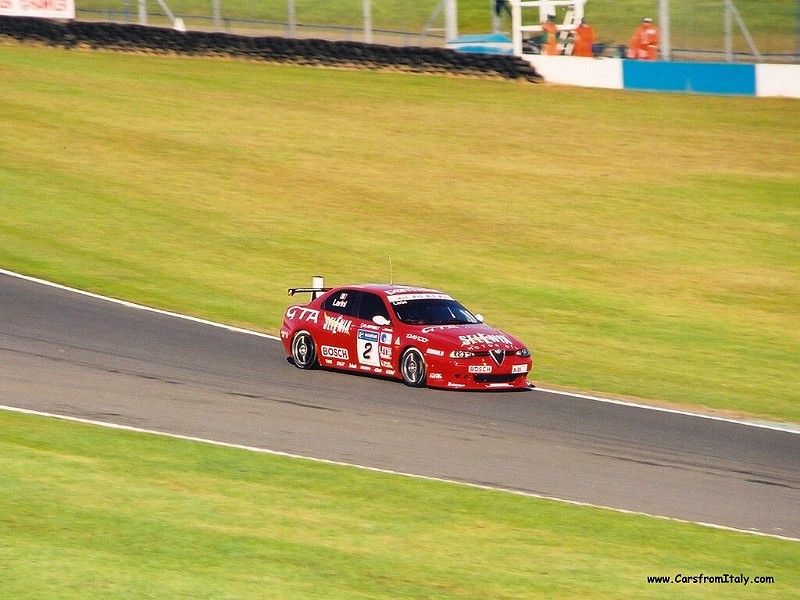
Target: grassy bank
x=644, y=245
x=93, y=513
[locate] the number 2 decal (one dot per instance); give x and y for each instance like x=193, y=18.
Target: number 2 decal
x=367, y=344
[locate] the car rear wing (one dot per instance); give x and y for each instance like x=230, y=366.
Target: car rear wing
x=315, y=291
x=317, y=288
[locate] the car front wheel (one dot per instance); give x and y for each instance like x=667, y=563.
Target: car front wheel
x=412, y=368
x=304, y=353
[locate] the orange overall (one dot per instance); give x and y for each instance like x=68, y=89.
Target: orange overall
x=644, y=43
x=549, y=38
x=584, y=40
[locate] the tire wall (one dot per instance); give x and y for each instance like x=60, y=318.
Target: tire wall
x=347, y=54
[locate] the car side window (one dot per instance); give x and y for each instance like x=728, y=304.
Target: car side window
x=343, y=302
x=372, y=306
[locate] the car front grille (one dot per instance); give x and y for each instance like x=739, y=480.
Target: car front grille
x=496, y=355
x=489, y=378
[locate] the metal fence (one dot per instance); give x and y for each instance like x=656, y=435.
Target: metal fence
x=699, y=30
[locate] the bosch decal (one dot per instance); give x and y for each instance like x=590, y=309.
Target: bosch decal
x=334, y=352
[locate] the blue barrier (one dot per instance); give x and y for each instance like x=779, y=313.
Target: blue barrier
x=700, y=78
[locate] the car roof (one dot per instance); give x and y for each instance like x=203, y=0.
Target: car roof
x=386, y=289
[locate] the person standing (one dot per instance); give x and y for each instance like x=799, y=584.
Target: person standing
x=550, y=36
x=644, y=43
x=583, y=40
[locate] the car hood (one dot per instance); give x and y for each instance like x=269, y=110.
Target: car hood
x=477, y=337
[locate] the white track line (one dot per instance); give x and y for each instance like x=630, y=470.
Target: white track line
x=762, y=425
x=189, y=438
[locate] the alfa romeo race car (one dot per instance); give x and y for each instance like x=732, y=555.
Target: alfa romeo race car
x=422, y=336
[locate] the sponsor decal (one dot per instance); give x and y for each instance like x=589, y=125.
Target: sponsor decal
x=403, y=298
x=303, y=314
x=386, y=337
x=337, y=325
x=334, y=352
x=519, y=369
x=434, y=351
x=434, y=376
x=385, y=351
x=386, y=364
x=370, y=336
x=483, y=338
x=419, y=338
x=480, y=368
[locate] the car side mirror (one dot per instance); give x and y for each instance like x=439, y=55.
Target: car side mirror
x=381, y=320
x=479, y=317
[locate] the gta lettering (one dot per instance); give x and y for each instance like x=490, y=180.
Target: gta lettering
x=303, y=314
x=334, y=352
x=337, y=325
x=483, y=338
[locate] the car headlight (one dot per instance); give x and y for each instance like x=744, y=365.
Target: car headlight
x=523, y=352
x=461, y=354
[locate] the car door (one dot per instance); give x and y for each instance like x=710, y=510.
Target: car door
x=337, y=347
x=373, y=342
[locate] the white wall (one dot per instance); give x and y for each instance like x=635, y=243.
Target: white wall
x=575, y=70
x=770, y=79
x=778, y=80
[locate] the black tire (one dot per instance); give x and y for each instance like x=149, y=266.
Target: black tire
x=304, y=352
x=413, y=368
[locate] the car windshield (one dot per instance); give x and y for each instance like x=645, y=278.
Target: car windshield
x=433, y=312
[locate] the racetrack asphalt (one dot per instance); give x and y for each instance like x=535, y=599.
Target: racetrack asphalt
x=81, y=356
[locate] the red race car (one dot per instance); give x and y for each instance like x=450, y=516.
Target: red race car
x=422, y=336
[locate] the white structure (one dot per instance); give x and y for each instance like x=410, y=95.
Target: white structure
x=546, y=8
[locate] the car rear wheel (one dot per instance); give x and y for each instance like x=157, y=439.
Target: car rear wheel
x=413, y=369
x=304, y=353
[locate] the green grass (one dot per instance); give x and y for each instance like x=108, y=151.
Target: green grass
x=88, y=512
x=696, y=24
x=644, y=245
